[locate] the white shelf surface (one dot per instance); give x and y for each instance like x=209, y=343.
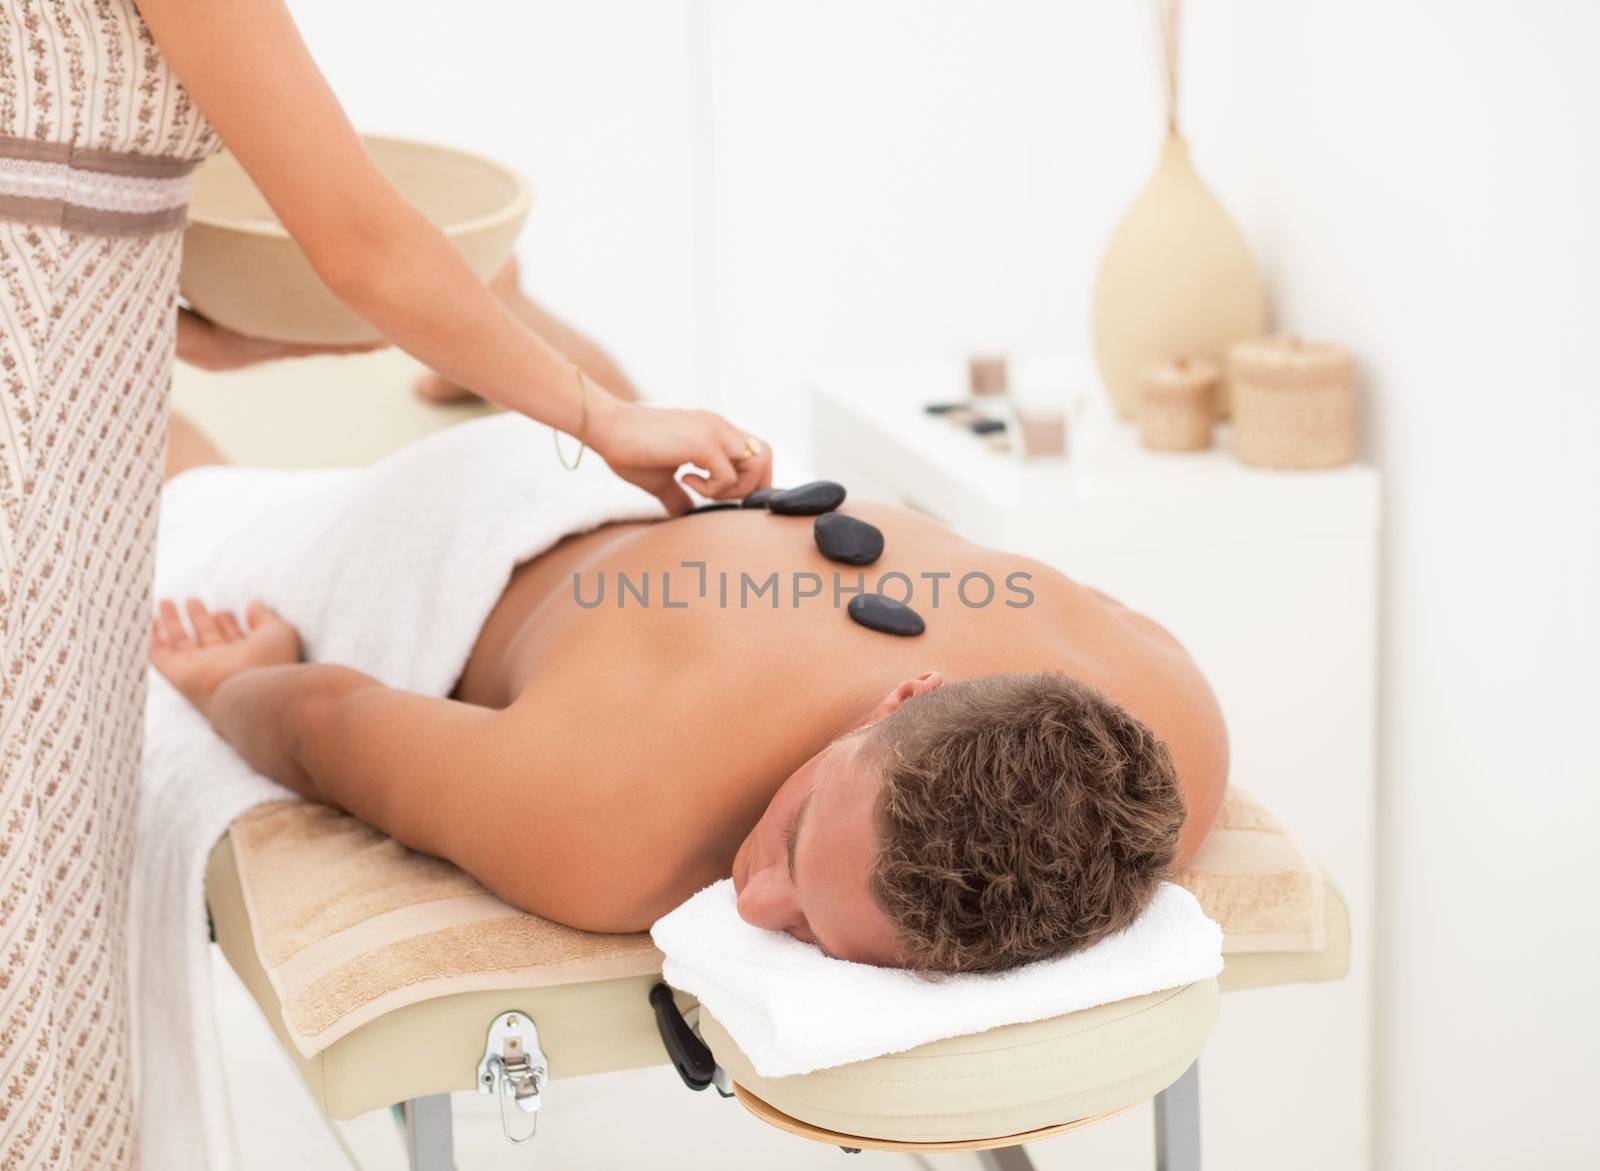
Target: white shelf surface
x=1205, y=497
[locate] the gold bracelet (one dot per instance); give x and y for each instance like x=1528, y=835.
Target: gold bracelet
x=583, y=425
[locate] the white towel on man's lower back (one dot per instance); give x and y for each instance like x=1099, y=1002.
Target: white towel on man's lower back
x=391, y=569
x=792, y=1009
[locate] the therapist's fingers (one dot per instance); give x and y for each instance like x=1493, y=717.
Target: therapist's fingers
x=752, y=458
x=229, y=625
x=755, y=471
x=206, y=632
x=720, y=479
x=673, y=497
x=172, y=623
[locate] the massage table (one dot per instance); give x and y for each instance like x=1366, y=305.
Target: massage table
x=392, y=979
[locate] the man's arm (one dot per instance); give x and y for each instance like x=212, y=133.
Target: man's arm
x=505, y=795
x=485, y=789
x=335, y=735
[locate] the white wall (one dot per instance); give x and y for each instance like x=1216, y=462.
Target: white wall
x=735, y=193
x=593, y=102
x=903, y=180
x=1425, y=189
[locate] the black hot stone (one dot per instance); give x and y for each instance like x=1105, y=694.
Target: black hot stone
x=714, y=506
x=811, y=499
x=876, y=612
x=987, y=426
x=759, y=498
x=844, y=538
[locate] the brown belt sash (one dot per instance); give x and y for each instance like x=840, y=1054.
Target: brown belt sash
x=84, y=189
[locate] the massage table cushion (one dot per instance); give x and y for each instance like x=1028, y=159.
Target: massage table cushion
x=380, y=971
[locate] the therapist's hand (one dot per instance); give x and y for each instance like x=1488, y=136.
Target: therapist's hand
x=210, y=346
x=646, y=445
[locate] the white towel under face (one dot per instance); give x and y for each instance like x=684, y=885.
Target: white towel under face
x=793, y=1009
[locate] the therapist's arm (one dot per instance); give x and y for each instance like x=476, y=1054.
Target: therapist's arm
x=247, y=68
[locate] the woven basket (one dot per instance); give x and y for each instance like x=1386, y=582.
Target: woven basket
x=1294, y=403
x=1177, y=404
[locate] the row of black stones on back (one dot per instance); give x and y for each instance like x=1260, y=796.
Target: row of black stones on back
x=839, y=538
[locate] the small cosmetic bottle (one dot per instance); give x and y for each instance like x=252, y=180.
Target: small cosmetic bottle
x=992, y=419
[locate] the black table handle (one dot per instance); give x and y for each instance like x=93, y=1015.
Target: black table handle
x=691, y=1057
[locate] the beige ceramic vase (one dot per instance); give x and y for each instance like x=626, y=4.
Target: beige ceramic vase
x=1177, y=281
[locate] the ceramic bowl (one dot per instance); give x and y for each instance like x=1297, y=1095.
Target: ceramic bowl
x=242, y=270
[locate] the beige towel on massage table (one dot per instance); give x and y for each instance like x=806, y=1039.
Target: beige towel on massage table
x=350, y=925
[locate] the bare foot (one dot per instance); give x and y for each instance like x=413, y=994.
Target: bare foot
x=210, y=346
x=219, y=648
x=189, y=447
x=433, y=387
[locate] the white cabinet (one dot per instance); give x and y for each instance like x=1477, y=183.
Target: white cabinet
x=1269, y=579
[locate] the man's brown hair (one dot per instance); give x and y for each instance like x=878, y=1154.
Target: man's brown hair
x=1022, y=817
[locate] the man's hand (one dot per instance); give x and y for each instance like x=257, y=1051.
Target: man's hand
x=219, y=648
x=210, y=346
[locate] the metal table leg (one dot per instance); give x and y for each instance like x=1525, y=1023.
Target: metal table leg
x=1178, y=1123
x=1177, y=1115
x=1005, y=1159
x=429, y=1144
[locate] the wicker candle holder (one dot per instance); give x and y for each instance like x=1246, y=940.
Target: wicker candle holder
x=1177, y=404
x=1294, y=403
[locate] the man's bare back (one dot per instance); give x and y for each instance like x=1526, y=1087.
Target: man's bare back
x=698, y=712
x=605, y=754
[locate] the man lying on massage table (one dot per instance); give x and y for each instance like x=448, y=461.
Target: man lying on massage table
x=1008, y=786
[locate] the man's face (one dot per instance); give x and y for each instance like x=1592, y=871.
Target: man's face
x=806, y=865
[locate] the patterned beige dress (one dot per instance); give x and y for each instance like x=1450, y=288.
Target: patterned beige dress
x=96, y=142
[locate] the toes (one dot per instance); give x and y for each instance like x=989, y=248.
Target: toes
x=171, y=623
x=229, y=625
x=436, y=388
x=206, y=631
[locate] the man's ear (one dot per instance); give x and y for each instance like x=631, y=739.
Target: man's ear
x=916, y=685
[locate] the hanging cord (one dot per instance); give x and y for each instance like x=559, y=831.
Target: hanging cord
x=1168, y=16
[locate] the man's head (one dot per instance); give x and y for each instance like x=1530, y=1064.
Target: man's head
x=969, y=826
